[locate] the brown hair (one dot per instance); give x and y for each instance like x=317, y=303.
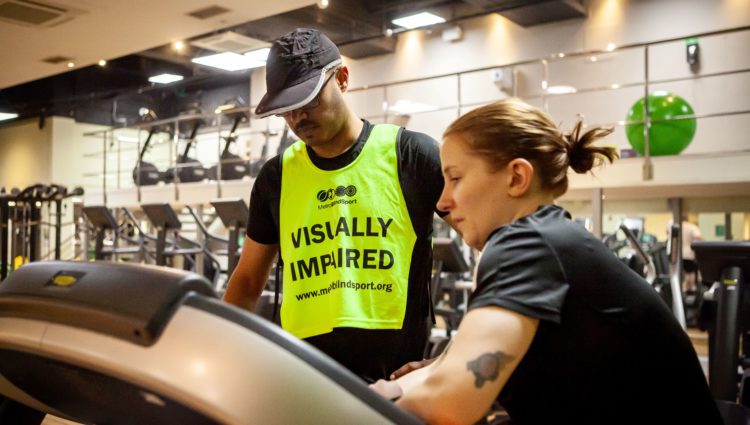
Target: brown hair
x=509, y=129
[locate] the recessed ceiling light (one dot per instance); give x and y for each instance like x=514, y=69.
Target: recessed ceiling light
x=419, y=20
x=71, y=64
x=260, y=55
x=165, y=78
x=7, y=116
x=102, y=62
x=230, y=61
x=127, y=139
x=178, y=45
x=561, y=89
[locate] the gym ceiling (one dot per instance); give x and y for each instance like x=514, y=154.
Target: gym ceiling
x=50, y=62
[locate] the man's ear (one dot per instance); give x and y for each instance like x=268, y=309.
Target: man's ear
x=521, y=174
x=342, y=78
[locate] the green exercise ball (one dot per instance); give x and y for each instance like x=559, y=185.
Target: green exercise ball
x=665, y=137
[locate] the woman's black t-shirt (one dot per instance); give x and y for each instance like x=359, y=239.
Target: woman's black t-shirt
x=607, y=351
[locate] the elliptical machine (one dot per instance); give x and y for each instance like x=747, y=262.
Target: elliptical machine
x=187, y=169
x=146, y=173
x=233, y=167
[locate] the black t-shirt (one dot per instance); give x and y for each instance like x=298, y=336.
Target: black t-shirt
x=372, y=354
x=607, y=351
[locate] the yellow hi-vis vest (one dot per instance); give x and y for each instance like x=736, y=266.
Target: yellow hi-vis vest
x=346, y=240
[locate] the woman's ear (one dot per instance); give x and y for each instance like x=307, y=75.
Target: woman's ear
x=521, y=174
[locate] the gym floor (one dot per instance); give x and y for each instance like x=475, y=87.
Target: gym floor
x=700, y=342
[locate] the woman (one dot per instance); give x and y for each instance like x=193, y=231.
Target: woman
x=558, y=329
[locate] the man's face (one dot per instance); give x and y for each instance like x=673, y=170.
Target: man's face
x=320, y=120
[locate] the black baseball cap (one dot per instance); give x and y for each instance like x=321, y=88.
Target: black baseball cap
x=295, y=70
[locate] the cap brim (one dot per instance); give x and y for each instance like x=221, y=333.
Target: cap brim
x=293, y=97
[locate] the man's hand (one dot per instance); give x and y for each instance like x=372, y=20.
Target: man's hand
x=388, y=389
x=411, y=367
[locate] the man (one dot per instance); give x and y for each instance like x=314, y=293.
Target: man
x=690, y=234
x=349, y=208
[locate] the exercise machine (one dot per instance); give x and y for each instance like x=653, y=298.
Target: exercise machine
x=146, y=173
x=7, y=200
x=448, y=290
x=231, y=166
x=650, y=260
x=22, y=224
x=211, y=244
x=727, y=265
x=164, y=219
x=118, y=343
x=657, y=272
x=234, y=214
x=187, y=169
x=105, y=226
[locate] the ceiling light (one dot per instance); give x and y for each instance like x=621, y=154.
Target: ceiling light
x=7, y=116
x=229, y=41
x=229, y=61
x=260, y=55
x=611, y=46
x=419, y=20
x=127, y=139
x=231, y=103
x=221, y=108
x=403, y=107
x=178, y=45
x=165, y=78
x=561, y=89
x=322, y=4
x=102, y=62
x=71, y=64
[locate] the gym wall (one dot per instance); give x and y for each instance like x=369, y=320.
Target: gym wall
x=25, y=154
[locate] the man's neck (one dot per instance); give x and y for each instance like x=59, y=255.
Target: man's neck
x=343, y=141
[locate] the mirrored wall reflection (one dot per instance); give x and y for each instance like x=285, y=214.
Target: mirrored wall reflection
x=202, y=148
x=717, y=218
x=691, y=103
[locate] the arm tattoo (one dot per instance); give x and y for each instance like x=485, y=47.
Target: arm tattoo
x=487, y=367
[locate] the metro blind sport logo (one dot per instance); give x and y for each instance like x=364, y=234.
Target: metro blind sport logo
x=336, y=196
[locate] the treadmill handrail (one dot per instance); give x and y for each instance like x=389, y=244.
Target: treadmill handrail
x=203, y=227
x=137, y=225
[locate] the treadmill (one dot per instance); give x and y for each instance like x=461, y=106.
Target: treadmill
x=118, y=343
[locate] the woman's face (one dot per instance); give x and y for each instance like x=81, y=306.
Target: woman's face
x=475, y=196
